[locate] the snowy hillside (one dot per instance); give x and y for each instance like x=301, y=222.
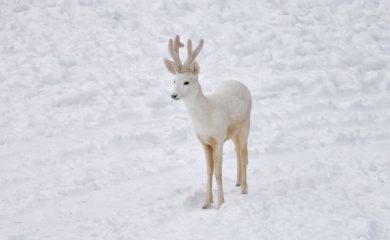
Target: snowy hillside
x=92, y=146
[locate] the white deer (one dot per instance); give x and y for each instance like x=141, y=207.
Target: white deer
x=222, y=115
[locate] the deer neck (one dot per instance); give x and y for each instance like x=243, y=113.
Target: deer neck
x=198, y=106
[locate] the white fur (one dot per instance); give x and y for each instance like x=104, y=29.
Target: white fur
x=222, y=115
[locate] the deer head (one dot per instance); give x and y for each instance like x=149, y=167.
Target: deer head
x=186, y=75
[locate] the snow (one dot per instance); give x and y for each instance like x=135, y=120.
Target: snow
x=92, y=146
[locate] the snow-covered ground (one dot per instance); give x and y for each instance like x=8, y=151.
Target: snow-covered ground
x=92, y=146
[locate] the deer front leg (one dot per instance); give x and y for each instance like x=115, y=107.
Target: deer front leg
x=210, y=168
x=217, y=155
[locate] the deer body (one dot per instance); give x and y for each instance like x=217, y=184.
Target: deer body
x=222, y=115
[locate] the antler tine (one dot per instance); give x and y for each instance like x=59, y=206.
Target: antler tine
x=197, y=49
x=174, y=50
x=192, y=54
x=177, y=42
x=189, y=53
x=170, y=48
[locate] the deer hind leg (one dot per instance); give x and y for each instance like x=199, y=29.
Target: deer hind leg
x=236, y=141
x=217, y=155
x=210, y=168
x=243, y=136
x=244, y=163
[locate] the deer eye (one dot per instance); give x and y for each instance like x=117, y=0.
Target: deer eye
x=186, y=83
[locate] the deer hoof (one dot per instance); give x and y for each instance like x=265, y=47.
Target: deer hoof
x=244, y=190
x=206, y=206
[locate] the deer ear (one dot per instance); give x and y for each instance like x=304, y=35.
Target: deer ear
x=194, y=68
x=171, y=66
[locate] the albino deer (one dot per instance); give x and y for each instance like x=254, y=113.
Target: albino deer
x=222, y=115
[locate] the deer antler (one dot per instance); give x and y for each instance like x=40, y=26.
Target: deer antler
x=174, y=50
x=177, y=66
x=191, y=55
